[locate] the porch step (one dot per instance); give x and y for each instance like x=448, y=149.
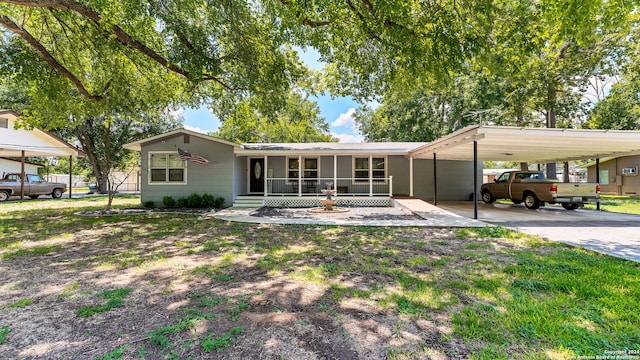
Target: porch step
x=248, y=202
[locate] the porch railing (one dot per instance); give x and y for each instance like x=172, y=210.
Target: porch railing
x=345, y=186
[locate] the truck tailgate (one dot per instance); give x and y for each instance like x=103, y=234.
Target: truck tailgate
x=576, y=189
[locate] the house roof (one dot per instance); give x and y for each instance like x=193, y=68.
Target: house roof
x=137, y=145
x=388, y=148
x=34, y=142
x=605, y=159
x=506, y=143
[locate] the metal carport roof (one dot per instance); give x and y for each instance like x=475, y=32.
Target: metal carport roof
x=507, y=143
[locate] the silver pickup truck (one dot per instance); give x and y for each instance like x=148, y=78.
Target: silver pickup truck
x=534, y=190
x=34, y=186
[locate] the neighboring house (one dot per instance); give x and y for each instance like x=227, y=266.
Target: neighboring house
x=15, y=166
x=618, y=175
x=293, y=174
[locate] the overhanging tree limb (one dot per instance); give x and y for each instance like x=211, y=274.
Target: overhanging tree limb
x=122, y=36
x=46, y=56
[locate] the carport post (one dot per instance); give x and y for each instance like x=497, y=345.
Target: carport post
x=435, y=180
x=22, y=175
x=70, y=174
x=598, y=180
x=475, y=179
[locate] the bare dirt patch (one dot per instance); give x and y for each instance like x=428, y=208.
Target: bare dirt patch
x=193, y=287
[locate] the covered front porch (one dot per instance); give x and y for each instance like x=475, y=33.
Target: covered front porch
x=307, y=175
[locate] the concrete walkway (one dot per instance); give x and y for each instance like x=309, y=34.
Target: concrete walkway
x=432, y=216
x=608, y=233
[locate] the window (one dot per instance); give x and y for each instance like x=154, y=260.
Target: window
x=309, y=168
x=166, y=167
x=503, y=178
x=361, y=168
x=4, y=123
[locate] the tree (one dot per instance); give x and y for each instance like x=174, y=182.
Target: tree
x=298, y=121
x=214, y=50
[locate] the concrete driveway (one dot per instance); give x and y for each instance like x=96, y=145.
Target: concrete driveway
x=610, y=233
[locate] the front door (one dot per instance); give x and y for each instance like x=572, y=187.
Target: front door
x=256, y=175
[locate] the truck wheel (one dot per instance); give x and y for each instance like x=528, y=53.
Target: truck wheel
x=34, y=196
x=570, y=206
x=487, y=197
x=531, y=201
x=4, y=196
x=57, y=193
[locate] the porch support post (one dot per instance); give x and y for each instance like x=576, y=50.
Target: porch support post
x=475, y=179
x=335, y=172
x=70, y=174
x=370, y=175
x=598, y=180
x=299, y=175
x=435, y=179
x=411, y=176
x=266, y=181
x=390, y=186
x=22, y=175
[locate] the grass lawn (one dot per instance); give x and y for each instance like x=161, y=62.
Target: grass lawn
x=620, y=204
x=187, y=286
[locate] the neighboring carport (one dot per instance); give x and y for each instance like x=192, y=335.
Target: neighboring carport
x=22, y=143
x=539, y=145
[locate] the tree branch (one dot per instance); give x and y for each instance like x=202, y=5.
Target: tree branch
x=46, y=56
x=305, y=20
x=122, y=36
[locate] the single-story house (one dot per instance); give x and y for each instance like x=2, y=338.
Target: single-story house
x=618, y=175
x=181, y=162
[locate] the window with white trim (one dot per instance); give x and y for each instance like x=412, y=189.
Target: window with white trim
x=361, y=168
x=310, y=168
x=167, y=168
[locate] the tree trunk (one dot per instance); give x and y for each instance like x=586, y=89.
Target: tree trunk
x=524, y=166
x=566, y=171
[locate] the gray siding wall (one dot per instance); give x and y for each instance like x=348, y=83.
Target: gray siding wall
x=617, y=183
x=240, y=185
x=215, y=178
x=455, y=178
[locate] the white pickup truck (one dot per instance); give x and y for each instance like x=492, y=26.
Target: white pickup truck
x=534, y=190
x=34, y=186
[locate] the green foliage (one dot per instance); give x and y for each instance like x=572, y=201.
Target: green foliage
x=298, y=121
x=168, y=201
x=36, y=250
x=4, y=331
x=18, y=304
x=115, y=299
x=194, y=201
x=149, y=204
x=117, y=353
x=219, y=343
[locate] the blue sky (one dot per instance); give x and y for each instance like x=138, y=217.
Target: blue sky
x=337, y=112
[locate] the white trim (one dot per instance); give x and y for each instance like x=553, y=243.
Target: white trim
x=249, y=169
x=149, y=168
x=137, y=145
x=370, y=170
x=411, y=176
x=301, y=168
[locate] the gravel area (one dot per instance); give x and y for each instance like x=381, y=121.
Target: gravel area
x=354, y=213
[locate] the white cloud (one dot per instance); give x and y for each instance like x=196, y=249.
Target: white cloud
x=346, y=119
x=349, y=138
x=197, y=129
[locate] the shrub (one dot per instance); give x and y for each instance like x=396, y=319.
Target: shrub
x=149, y=204
x=219, y=202
x=168, y=201
x=182, y=203
x=194, y=201
x=208, y=201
